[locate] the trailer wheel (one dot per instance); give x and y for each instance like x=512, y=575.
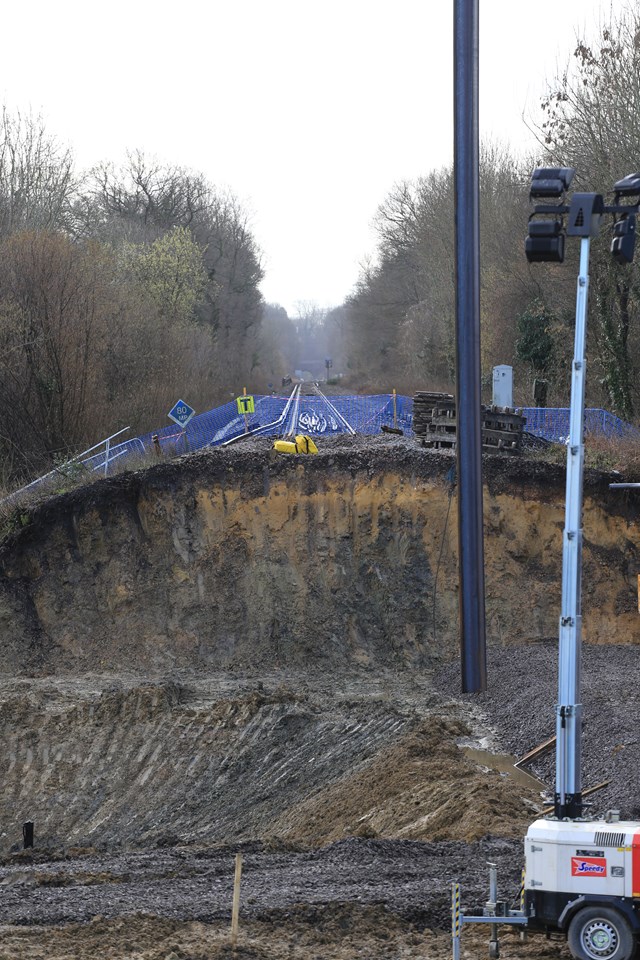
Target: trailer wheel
x=600, y=933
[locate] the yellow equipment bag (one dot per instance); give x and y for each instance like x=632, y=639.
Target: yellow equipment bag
x=285, y=446
x=303, y=444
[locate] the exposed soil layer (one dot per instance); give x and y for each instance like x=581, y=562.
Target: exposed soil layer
x=229, y=559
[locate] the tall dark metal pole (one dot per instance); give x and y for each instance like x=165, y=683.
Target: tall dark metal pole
x=469, y=422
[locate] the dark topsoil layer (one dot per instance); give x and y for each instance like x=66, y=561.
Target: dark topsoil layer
x=360, y=456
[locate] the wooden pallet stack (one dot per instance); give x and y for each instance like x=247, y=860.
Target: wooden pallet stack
x=435, y=424
x=424, y=407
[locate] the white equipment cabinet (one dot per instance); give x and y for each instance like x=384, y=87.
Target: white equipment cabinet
x=503, y=386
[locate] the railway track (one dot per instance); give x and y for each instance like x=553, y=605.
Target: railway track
x=342, y=420
x=276, y=428
x=288, y=423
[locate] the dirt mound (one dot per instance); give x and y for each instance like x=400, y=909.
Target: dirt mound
x=165, y=763
x=421, y=787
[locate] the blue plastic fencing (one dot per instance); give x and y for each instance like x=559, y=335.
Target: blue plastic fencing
x=552, y=423
x=316, y=418
x=319, y=417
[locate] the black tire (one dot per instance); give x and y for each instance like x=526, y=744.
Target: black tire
x=601, y=933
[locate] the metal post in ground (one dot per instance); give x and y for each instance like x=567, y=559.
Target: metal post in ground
x=235, y=911
x=468, y=385
x=523, y=877
x=27, y=834
x=494, y=943
x=455, y=921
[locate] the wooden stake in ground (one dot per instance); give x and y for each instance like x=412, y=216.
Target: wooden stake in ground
x=235, y=912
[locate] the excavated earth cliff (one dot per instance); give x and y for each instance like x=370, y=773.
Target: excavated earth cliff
x=228, y=651
x=229, y=559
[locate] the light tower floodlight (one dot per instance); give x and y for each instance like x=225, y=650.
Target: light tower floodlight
x=550, y=182
x=545, y=241
x=629, y=186
x=582, y=213
x=624, y=239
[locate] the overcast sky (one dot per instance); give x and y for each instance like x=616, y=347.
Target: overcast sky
x=309, y=112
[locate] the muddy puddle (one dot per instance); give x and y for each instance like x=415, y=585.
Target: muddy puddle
x=504, y=763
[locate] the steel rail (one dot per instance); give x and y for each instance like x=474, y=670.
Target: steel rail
x=335, y=411
x=258, y=431
x=295, y=414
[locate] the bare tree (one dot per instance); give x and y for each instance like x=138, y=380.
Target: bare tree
x=37, y=181
x=591, y=121
x=54, y=306
x=145, y=196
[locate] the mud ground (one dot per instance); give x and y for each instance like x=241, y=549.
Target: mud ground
x=356, y=897
x=520, y=706
x=346, y=788
x=339, y=932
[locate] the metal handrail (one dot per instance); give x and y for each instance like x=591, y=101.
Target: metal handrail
x=60, y=468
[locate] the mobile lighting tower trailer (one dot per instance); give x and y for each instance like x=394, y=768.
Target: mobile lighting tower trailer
x=581, y=875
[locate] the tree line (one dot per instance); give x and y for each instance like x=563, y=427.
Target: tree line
x=397, y=326
x=121, y=288
x=125, y=286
